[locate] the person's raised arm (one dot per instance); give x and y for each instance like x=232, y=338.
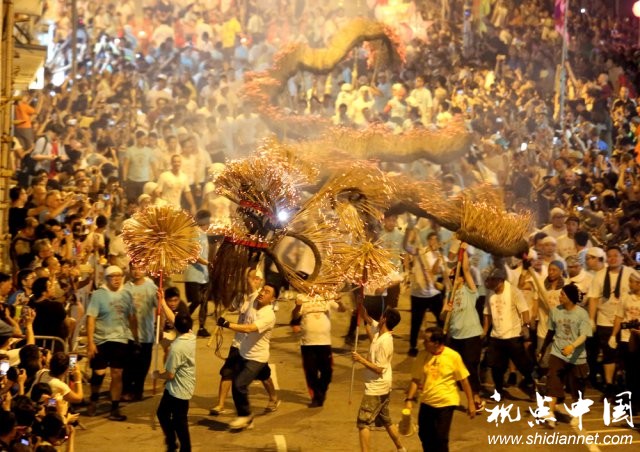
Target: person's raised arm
x=466, y=270
x=75, y=383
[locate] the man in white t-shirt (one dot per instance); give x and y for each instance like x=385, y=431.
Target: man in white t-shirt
x=172, y=184
x=55, y=377
x=245, y=305
x=374, y=408
x=506, y=311
x=607, y=289
x=314, y=314
x=254, y=353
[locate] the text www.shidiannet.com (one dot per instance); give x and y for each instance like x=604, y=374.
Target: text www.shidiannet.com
x=557, y=438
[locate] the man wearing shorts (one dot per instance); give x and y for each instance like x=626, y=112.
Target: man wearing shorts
x=111, y=324
x=569, y=328
x=374, y=408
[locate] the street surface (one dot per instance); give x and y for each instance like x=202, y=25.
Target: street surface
x=295, y=427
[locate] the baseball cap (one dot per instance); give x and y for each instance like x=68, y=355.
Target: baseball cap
x=113, y=270
x=596, y=252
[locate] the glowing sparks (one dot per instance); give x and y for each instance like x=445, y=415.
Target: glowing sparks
x=162, y=239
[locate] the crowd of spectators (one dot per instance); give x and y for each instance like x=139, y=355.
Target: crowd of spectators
x=155, y=109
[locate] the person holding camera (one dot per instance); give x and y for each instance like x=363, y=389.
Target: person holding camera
x=53, y=432
x=60, y=365
x=48, y=149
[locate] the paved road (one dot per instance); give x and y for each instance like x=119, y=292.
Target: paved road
x=295, y=427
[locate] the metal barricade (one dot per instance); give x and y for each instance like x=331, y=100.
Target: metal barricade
x=52, y=343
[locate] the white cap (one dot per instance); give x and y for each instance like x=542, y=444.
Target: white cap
x=594, y=251
x=113, y=270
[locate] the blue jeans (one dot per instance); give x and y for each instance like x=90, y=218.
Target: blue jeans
x=240, y=388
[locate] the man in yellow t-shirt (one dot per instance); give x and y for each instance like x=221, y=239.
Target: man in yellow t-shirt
x=230, y=29
x=435, y=372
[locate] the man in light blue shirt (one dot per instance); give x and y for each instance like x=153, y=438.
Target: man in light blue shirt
x=144, y=295
x=138, y=166
x=180, y=373
x=196, y=276
x=111, y=324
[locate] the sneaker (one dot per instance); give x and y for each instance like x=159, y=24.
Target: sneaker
x=413, y=352
x=218, y=410
x=551, y=423
x=202, y=332
x=272, y=406
x=241, y=423
x=92, y=408
x=117, y=416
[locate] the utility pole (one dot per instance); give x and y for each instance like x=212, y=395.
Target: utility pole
x=74, y=39
x=466, y=28
x=563, y=69
x=6, y=104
